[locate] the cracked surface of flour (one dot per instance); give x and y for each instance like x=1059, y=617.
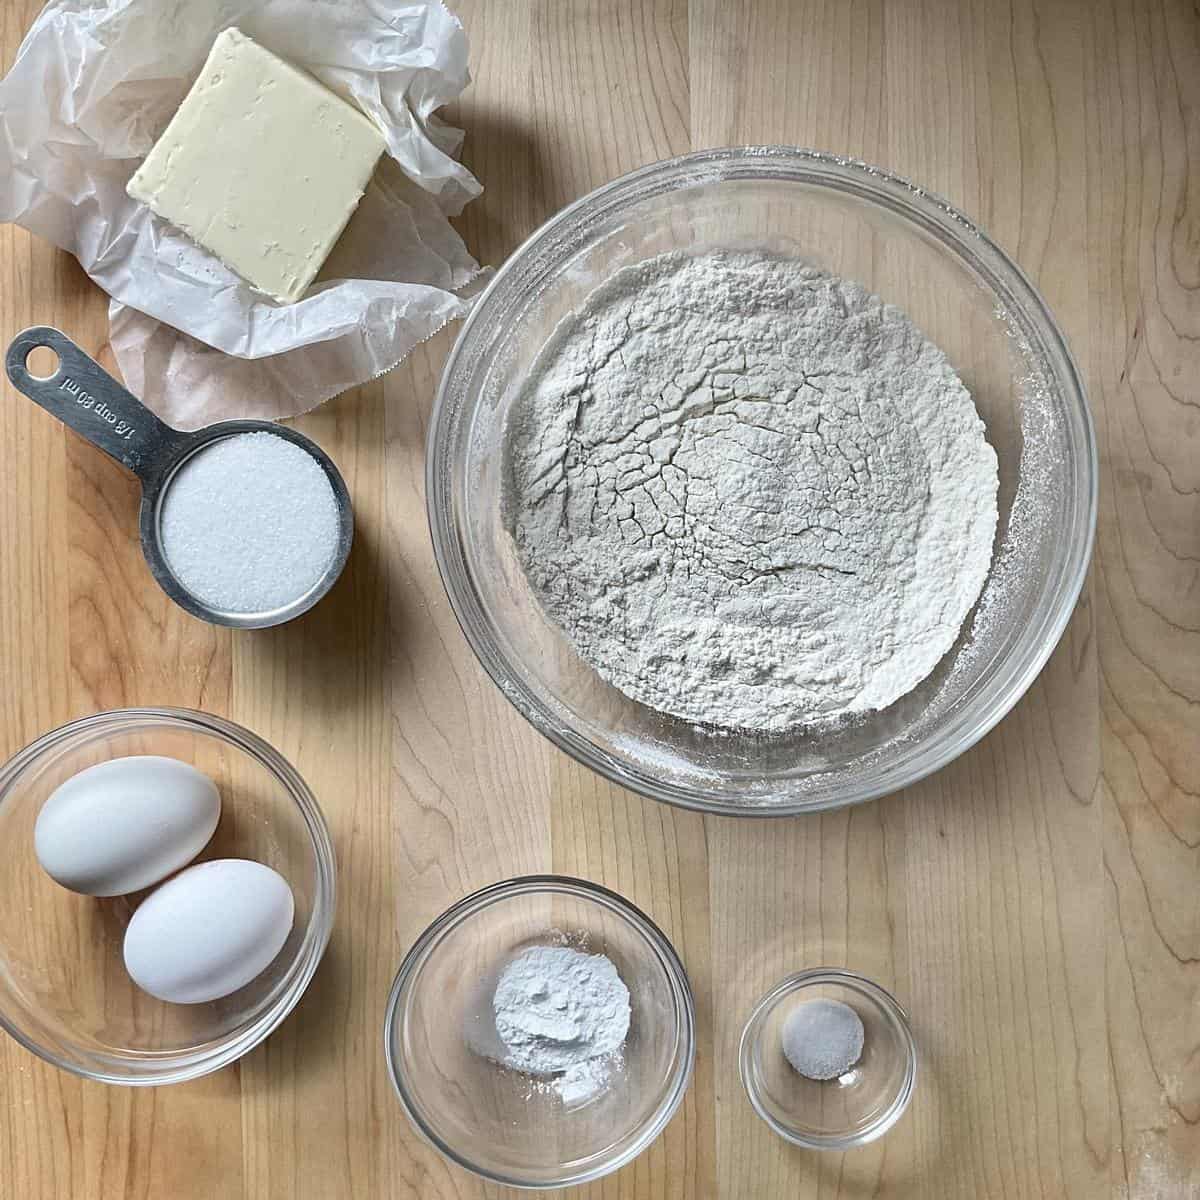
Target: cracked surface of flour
x=752, y=494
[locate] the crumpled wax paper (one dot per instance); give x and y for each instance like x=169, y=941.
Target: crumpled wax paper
x=95, y=83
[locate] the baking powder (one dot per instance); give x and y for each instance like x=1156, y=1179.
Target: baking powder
x=564, y=1013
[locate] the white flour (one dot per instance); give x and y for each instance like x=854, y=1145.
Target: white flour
x=561, y=1012
x=752, y=494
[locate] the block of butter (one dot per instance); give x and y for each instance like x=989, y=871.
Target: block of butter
x=261, y=165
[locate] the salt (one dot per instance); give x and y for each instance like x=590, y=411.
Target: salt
x=822, y=1039
x=250, y=524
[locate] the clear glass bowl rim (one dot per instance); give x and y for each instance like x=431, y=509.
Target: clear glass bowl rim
x=566, y=885
x=956, y=234
x=215, y=1055
x=886, y=1002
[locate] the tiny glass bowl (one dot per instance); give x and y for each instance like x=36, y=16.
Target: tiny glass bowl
x=64, y=991
x=835, y=1114
x=507, y=1126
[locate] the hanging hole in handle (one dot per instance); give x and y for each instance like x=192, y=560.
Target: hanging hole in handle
x=42, y=363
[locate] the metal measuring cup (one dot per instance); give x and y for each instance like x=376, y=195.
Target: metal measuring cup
x=82, y=395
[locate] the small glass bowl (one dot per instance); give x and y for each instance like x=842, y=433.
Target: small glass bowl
x=836, y=1114
x=64, y=992
x=504, y=1125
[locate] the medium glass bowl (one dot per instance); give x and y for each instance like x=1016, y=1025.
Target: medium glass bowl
x=903, y=244
x=833, y=1114
x=64, y=992
x=504, y=1125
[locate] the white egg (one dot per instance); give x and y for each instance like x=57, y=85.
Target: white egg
x=209, y=931
x=124, y=824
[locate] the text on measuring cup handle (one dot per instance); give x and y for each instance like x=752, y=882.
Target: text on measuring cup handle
x=82, y=397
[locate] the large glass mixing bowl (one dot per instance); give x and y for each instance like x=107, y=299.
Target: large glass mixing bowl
x=962, y=291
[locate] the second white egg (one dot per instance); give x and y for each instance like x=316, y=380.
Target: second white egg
x=209, y=931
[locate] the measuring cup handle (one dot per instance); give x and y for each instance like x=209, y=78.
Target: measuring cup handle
x=84, y=396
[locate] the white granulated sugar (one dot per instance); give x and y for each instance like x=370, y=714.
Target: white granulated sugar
x=751, y=494
x=822, y=1039
x=249, y=523
x=564, y=1013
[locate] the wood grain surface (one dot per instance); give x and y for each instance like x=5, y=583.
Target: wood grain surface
x=1035, y=905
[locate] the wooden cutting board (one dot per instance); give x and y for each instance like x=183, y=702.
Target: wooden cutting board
x=1035, y=905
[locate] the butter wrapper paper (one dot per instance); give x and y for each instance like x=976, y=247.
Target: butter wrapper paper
x=93, y=86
